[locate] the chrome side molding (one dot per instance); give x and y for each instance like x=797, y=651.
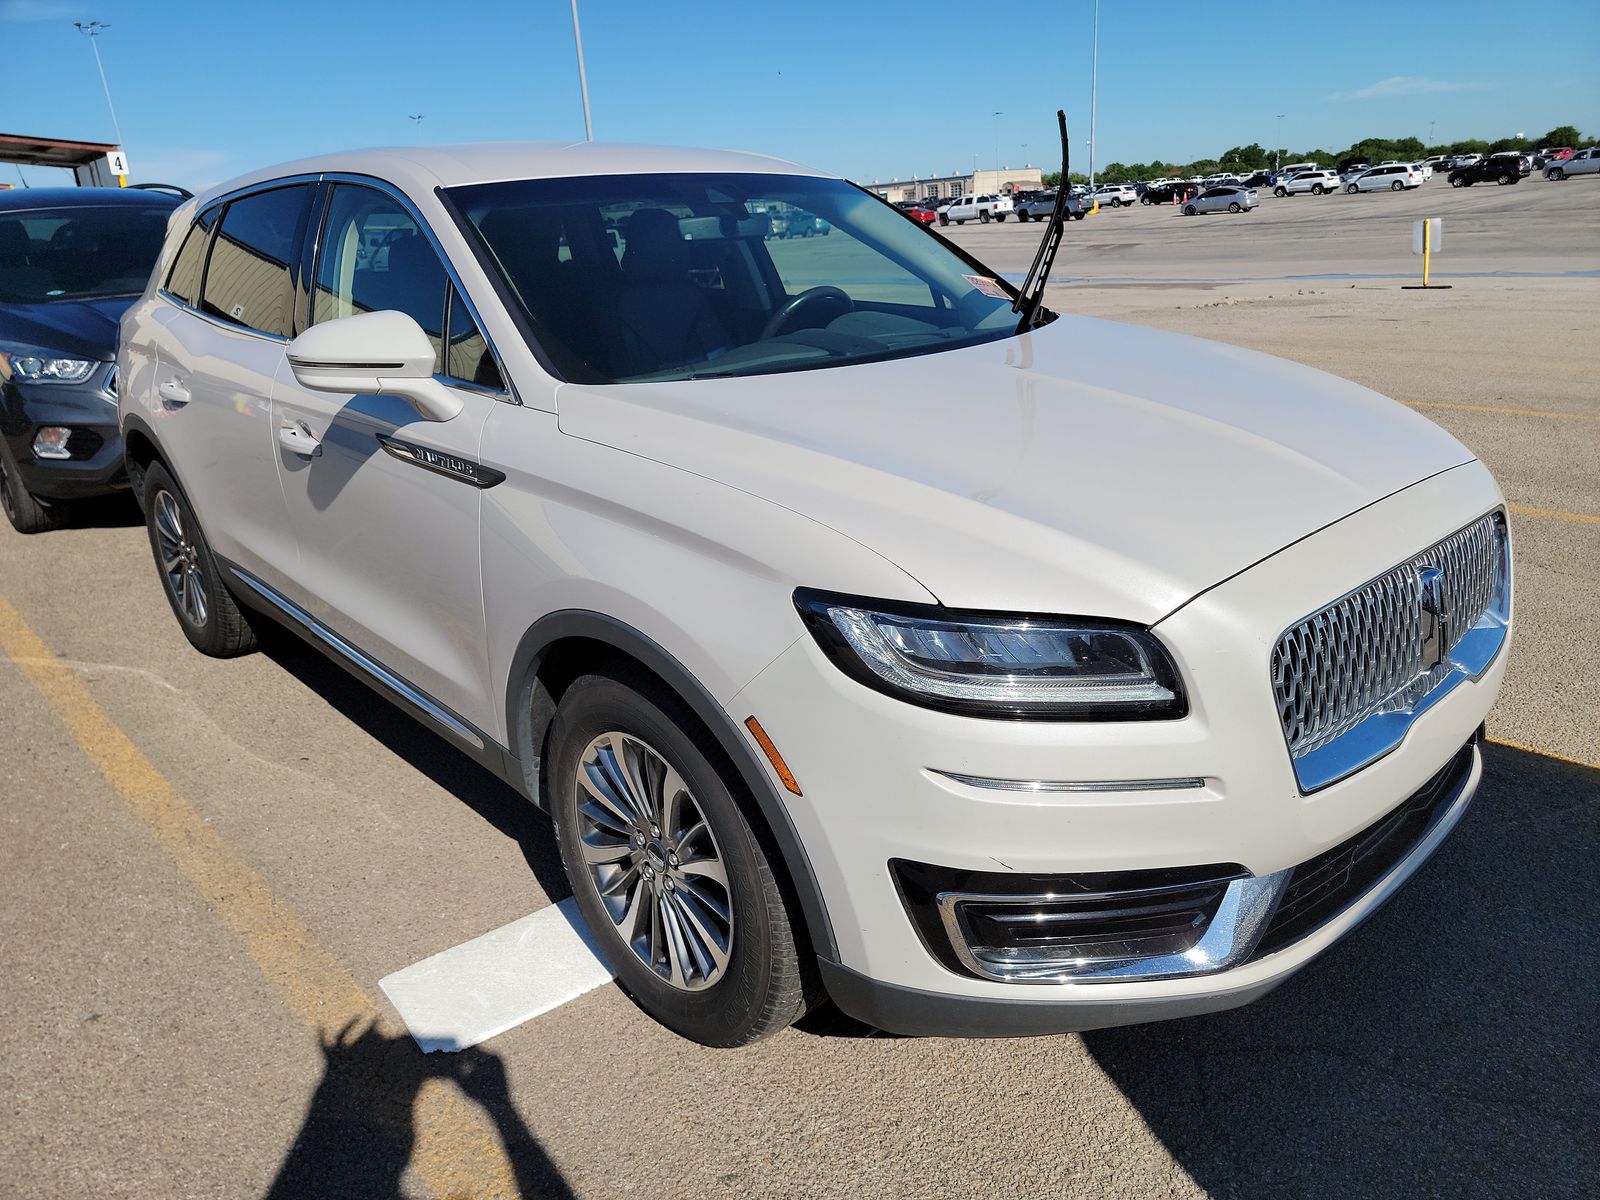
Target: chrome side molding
x=1073, y=785
x=441, y=715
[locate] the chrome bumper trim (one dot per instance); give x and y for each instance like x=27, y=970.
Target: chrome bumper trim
x=1247, y=908
x=1072, y=785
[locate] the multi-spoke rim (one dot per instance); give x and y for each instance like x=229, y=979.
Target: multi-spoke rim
x=654, y=861
x=180, y=559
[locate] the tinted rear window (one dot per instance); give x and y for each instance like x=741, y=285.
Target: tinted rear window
x=247, y=279
x=184, y=279
x=79, y=253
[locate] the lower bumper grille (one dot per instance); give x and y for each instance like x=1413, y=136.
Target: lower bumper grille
x=1322, y=887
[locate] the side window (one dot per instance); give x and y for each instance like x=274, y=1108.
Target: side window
x=373, y=258
x=466, y=354
x=183, y=281
x=247, y=278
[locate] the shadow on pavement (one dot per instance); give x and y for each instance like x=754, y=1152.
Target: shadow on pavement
x=488, y=796
x=360, y=1127
x=1447, y=1048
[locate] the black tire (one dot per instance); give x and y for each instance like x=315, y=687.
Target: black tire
x=1234, y=207
x=1188, y=210
x=1555, y=174
x=1505, y=179
x=768, y=977
x=983, y=217
x=216, y=624
x=943, y=220
x=1000, y=217
x=1457, y=181
x=1280, y=191
x=961, y=220
x=1351, y=189
x=1078, y=216
x=1317, y=189
x=1397, y=186
x=23, y=509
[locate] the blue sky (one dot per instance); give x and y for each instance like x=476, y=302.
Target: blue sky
x=871, y=89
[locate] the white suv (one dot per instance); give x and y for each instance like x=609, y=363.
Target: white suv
x=858, y=640
x=976, y=208
x=1392, y=177
x=1115, y=195
x=1317, y=182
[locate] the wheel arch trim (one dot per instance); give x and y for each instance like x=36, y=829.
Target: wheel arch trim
x=526, y=742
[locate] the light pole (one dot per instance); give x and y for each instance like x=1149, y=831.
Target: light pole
x=1431, y=124
x=1277, y=148
x=92, y=30
x=583, y=78
x=1094, y=90
x=997, y=117
x=416, y=121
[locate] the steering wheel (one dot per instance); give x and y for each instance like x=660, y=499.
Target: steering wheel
x=826, y=294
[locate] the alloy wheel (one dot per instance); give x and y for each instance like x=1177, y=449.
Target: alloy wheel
x=180, y=560
x=654, y=861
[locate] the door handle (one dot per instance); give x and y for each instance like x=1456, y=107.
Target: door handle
x=297, y=438
x=173, y=394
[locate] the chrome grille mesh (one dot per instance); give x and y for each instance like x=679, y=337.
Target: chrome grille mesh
x=1363, y=653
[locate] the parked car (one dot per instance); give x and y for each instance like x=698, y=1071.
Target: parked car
x=1227, y=198
x=976, y=208
x=1583, y=162
x=1288, y=169
x=921, y=215
x=1395, y=178
x=1317, y=182
x=793, y=223
x=71, y=259
x=1258, y=179
x=1466, y=160
x=1351, y=167
x=1500, y=169
x=679, y=549
x=1115, y=195
x=1164, y=193
x=1442, y=162
x=1039, y=207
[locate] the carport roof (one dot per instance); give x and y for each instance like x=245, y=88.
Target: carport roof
x=51, y=152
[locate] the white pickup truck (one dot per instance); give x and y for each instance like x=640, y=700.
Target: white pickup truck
x=975, y=208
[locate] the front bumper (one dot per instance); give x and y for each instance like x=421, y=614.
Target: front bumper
x=90, y=411
x=880, y=782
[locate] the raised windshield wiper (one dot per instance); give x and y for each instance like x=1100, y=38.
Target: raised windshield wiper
x=1030, y=297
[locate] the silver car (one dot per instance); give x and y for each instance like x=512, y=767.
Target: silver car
x=1226, y=198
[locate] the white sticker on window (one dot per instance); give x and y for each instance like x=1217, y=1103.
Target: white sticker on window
x=987, y=286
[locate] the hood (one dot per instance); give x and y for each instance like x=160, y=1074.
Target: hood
x=84, y=328
x=1089, y=468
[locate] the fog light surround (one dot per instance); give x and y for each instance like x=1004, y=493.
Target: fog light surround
x=51, y=442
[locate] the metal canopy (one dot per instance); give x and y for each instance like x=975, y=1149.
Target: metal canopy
x=51, y=152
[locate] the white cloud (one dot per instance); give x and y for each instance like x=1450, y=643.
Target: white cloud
x=1409, y=85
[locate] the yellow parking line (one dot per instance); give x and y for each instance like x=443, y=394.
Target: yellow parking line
x=1572, y=762
x=457, y=1151
x=1553, y=514
x=1509, y=412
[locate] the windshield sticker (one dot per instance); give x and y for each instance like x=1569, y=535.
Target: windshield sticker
x=987, y=287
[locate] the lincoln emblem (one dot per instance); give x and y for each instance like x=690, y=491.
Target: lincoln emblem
x=1435, y=620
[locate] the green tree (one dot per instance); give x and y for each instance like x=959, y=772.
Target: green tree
x=1245, y=158
x=1563, y=135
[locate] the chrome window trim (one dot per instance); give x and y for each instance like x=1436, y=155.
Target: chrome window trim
x=1248, y=906
x=230, y=326
x=443, y=716
x=509, y=395
x=1072, y=785
x=1381, y=733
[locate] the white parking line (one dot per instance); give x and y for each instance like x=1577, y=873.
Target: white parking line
x=467, y=994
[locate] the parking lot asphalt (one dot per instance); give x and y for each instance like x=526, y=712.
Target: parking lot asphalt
x=207, y=866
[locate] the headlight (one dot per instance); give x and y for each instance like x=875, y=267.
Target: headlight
x=44, y=366
x=995, y=664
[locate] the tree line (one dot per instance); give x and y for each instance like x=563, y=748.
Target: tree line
x=1254, y=157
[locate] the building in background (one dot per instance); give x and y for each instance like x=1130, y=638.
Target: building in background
x=1003, y=182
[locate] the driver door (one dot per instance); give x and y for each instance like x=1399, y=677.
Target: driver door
x=387, y=530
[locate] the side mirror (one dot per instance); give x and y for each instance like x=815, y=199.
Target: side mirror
x=370, y=353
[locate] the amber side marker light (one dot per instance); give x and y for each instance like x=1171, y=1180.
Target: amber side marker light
x=771, y=751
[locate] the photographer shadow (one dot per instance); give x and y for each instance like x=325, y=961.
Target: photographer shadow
x=360, y=1128
x=1447, y=1048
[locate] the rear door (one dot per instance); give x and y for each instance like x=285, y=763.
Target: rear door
x=386, y=508
x=219, y=342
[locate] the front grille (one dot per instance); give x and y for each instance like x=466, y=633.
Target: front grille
x=1365, y=652
x=1323, y=887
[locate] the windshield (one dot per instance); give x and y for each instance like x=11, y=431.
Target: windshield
x=78, y=253
x=637, y=278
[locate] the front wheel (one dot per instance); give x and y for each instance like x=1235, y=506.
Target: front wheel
x=943, y=220
x=23, y=509
x=1457, y=181
x=207, y=612
x=1022, y=216
x=1351, y=189
x=1280, y=192
x=1188, y=210
x=1505, y=179
x=1000, y=217
x=1555, y=174
x=672, y=879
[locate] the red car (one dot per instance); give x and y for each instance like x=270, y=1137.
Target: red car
x=923, y=216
